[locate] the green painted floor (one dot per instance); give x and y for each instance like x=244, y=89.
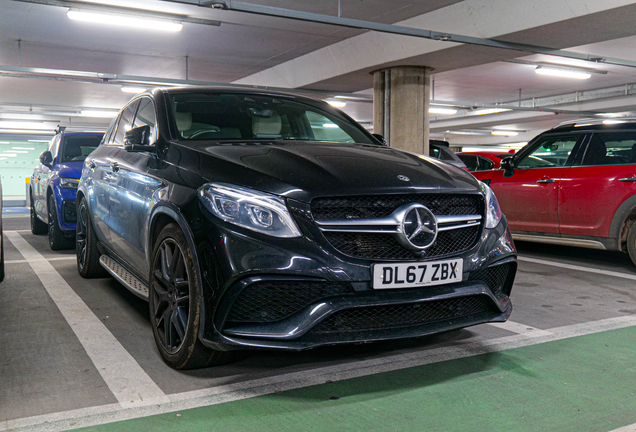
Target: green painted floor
x=586, y=383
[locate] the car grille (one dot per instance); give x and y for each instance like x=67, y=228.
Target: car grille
x=362, y=242
x=266, y=302
x=404, y=315
x=495, y=277
x=375, y=206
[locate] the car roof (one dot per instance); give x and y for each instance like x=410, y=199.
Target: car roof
x=595, y=124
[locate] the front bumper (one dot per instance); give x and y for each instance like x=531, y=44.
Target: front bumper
x=65, y=205
x=358, y=315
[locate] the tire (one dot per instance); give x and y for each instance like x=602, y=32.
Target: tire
x=88, y=264
x=174, y=301
x=631, y=243
x=58, y=240
x=37, y=226
x=1, y=252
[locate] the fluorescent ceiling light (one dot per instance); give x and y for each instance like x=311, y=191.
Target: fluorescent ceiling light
x=125, y=20
x=504, y=133
x=23, y=125
x=131, y=89
x=22, y=148
x=337, y=104
x=440, y=110
x=18, y=151
x=466, y=132
x=330, y=125
x=487, y=111
x=565, y=73
x=99, y=113
x=3, y=158
x=40, y=141
x=9, y=155
x=5, y=142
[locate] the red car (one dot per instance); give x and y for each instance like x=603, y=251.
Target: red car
x=572, y=185
x=483, y=160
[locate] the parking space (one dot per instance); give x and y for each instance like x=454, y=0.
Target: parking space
x=55, y=372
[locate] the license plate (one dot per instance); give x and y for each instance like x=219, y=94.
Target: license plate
x=409, y=275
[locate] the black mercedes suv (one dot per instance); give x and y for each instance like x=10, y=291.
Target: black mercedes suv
x=252, y=219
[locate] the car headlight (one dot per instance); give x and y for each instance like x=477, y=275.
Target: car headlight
x=69, y=183
x=493, y=211
x=248, y=208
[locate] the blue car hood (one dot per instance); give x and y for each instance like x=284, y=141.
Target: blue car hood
x=69, y=169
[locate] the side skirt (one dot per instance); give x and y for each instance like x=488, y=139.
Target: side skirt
x=126, y=278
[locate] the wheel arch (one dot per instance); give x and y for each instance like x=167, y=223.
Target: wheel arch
x=622, y=221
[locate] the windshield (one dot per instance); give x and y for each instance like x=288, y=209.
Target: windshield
x=77, y=147
x=241, y=117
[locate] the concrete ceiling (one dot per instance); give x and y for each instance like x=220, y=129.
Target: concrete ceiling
x=260, y=50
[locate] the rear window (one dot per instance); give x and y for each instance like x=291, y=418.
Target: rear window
x=77, y=147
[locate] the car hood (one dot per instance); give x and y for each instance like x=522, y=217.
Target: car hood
x=305, y=170
x=69, y=169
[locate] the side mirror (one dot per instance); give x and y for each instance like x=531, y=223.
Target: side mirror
x=138, y=140
x=382, y=140
x=46, y=159
x=508, y=165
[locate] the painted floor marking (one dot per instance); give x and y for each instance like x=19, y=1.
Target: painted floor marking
x=578, y=268
x=628, y=428
x=62, y=258
x=125, y=378
x=92, y=416
x=16, y=231
x=521, y=329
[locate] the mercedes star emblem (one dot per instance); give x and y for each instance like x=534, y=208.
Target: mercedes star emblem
x=419, y=228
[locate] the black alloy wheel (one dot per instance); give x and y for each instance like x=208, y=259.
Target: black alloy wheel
x=175, y=304
x=57, y=238
x=1, y=251
x=88, y=264
x=37, y=226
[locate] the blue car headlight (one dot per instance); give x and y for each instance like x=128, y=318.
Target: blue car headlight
x=69, y=183
x=493, y=211
x=249, y=208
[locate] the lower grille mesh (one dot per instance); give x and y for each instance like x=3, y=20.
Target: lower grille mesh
x=494, y=277
x=266, y=302
x=406, y=315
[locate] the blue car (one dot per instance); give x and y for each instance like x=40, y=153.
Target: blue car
x=54, y=186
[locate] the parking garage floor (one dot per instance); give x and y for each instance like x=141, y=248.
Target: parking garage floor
x=79, y=353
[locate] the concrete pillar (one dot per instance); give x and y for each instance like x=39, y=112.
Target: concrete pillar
x=401, y=98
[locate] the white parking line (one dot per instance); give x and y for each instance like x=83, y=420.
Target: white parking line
x=125, y=378
x=62, y=258
x=92, y=416
x=578, y=268
x=521, y=329
x=628, y=428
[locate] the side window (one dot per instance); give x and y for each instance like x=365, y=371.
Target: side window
x=485, y=163
x=550, y=151
x=125, y=123
x=611, y=148
x=470, y=161
x=146, y=116
x=108, y=135
x=325, y=130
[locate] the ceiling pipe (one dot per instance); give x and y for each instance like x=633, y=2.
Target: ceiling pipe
x=237, y=6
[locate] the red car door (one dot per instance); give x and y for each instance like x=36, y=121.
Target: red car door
x=529, y=197
x=592, y=190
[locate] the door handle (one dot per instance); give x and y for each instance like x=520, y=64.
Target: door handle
x=114, y=166
x=91, y=165
x=627, y=179
x=546, y=181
